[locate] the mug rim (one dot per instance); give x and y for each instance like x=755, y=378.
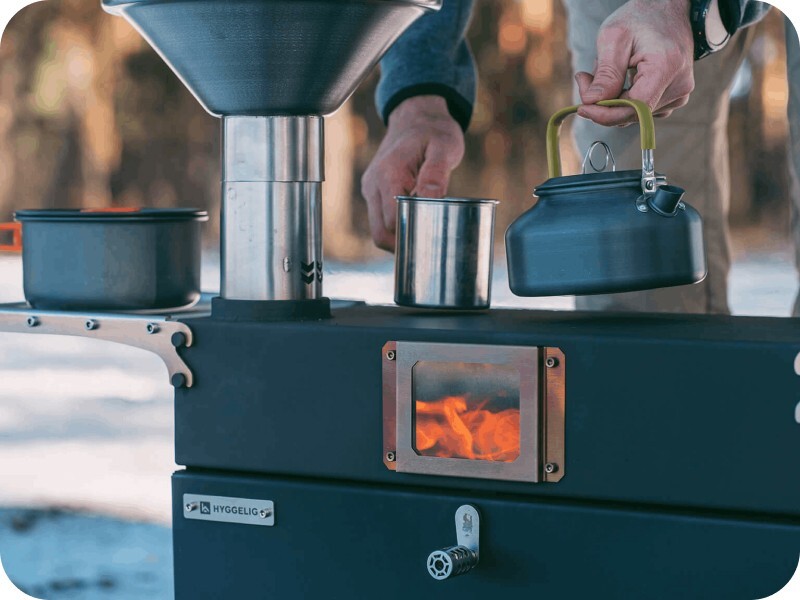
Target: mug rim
x=448, y=200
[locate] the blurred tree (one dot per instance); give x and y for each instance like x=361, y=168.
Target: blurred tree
x=92, y=117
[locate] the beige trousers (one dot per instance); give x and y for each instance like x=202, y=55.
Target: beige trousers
x=692, y=151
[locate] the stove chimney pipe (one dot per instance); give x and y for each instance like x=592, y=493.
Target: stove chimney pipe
x=271, y=239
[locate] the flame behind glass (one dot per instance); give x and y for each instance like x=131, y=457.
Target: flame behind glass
x=466, y=410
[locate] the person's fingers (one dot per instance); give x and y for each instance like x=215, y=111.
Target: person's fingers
x=676, y=96
x=441, y=157
x=653, y=40
x=369, y=188
x=668, y=109
x=616, y=117
x=614, y=49
x=650, y=83
x=600, y=114
x=679, y=103
x=382, y=237
x=370, y=192
x=423, y=144
x=379, y=185
x=608, y=116
x=678, y=93
x=400, y=182
x=584, y=80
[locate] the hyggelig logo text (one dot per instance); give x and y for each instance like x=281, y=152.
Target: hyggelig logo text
x=207, y=508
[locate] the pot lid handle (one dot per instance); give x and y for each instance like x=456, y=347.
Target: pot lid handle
x=648, y=134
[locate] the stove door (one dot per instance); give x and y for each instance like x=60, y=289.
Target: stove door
x=330, y=541
x=470, y=410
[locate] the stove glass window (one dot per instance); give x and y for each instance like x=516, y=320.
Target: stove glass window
x=466, y=410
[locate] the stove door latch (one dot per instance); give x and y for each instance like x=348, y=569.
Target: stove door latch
x=462, y=558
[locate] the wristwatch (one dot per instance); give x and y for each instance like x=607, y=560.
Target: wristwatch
x=708, y=27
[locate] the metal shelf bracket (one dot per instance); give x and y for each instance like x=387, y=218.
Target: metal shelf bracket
x=158, y=334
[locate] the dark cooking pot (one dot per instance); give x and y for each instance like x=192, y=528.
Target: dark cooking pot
x=605, y=232
x=111, y=259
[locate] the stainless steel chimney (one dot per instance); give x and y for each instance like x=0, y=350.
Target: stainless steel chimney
x=272, y=173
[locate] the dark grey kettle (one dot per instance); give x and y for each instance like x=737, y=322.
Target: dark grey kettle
x=605, y=232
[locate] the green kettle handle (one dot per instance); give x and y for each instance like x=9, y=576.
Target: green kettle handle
x=648, y=131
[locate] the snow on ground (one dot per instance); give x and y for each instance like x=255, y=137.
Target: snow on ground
x=63, y=556
x=89, y=425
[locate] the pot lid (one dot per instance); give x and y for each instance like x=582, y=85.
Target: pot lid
x=113, y=214
x=593, y=181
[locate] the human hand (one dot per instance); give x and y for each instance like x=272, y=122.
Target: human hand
x=655, y=38
x=422, y=146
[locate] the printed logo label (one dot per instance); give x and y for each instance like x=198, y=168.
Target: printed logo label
x=225, y=509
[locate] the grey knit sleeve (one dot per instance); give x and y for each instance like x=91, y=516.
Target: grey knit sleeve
x=432, y=57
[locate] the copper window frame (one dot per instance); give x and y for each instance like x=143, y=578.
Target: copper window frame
x=541, y=411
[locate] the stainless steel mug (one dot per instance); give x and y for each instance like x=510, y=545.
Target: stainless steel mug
x=444, y=252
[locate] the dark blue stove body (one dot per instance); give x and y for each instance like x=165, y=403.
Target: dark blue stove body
x=681, y=477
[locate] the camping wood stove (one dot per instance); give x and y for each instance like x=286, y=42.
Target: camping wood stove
x=328, y=453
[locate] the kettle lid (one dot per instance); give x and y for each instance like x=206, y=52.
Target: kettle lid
x=607, y=180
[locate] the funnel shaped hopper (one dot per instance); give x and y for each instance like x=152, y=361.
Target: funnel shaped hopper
x=271, y=57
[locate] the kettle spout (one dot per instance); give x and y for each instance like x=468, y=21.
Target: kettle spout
x=667, y=200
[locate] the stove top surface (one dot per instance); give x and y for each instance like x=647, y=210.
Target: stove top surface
x=668, y=326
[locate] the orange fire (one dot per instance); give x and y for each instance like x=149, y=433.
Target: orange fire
x=450, y=428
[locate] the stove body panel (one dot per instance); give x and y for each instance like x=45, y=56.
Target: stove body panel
x=334, y=540
x=688, y=411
